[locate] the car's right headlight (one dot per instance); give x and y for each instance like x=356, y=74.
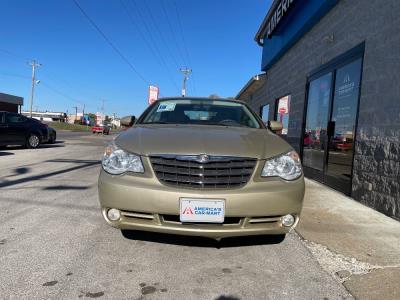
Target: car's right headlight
x=117, y=161
x=286, y=166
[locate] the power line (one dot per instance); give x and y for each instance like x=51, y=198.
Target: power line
x=16, y=56
x=14, y=75
x=20, y=58
x=156, y=55
x=108, y=41
x=60, y=93
x=181, y=54
x=183, y=38
x=149, y=33
x=154, y=23
x=45, y=85
x=181, y=31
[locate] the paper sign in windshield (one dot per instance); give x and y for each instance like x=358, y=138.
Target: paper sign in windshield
x=166, y=107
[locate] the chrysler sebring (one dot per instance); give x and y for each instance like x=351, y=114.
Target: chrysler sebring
x=204, y=167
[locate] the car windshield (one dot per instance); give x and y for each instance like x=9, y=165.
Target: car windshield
x=201, y=112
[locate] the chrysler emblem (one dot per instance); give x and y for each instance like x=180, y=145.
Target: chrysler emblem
x=203, y=158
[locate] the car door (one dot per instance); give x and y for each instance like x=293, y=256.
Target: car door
x=3, y=129
x=16, y=129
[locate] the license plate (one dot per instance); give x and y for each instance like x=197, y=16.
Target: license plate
x=202, y=210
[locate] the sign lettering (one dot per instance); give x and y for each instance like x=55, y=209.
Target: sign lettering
x=280, y=10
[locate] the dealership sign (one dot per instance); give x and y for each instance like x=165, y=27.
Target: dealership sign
x=277, y=15
x=283, y=105
x=153, y=94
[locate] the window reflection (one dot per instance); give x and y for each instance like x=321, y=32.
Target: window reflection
x=343, y=121
x=317, y=118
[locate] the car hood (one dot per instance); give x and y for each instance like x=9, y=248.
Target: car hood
x=193, y=140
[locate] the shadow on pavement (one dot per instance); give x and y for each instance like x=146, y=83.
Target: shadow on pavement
x=65, y=187
x=57, y=144
x=224, y=297
x=6, y=153
x=20, y=171
x=80, y=165
x=193, y=241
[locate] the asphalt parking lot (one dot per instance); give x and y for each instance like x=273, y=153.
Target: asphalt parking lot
x=54, y=243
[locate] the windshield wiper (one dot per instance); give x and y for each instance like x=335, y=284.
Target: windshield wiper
x=226, y=125
x=159, y=122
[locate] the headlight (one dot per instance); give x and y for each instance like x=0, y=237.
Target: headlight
x=117, y=161
x=286, y=166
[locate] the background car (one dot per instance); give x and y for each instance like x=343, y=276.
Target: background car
x=52, y=135
x=16, y=129
x=101, y=129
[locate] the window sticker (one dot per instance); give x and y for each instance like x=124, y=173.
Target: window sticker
x=166, y=106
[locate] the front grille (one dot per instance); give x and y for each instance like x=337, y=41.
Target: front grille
x=218, y=172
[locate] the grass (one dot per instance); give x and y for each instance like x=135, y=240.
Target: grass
x=67, y=126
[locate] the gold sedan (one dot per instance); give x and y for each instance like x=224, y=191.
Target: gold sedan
x=202, y=167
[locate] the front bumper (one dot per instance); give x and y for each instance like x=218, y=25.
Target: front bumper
x=148, y=205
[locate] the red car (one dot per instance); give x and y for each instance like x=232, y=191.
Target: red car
x=342, y=143
x=101, y=129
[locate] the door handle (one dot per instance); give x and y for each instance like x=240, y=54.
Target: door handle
x=331, y=128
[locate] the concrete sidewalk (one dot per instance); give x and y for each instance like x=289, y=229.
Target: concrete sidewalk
x=357, y=245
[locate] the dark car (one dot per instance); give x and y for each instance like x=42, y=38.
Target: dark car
x=16, y=129
x=52, y=135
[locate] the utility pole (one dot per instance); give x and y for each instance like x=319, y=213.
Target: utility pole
x=34, y=64
x=83, y=115
x=186, y=73
x=76, y=112
x=103, y=117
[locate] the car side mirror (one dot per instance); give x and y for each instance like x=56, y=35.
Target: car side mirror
x=275, y=126
x=128, y=121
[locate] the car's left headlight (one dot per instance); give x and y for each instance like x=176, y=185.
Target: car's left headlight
x=117, y=161
x=286, y=166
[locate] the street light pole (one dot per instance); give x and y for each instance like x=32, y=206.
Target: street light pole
x=34, y=65
x=186, y=73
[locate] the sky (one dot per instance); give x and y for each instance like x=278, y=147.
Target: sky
x=136, y=43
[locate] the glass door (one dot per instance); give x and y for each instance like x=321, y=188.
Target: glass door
x=315, y=135
x=332, y=106
x=342, y=125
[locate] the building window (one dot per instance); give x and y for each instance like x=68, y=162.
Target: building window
x=282, y=112
x=264, y=113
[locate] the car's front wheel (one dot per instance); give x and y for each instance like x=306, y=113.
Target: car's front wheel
x=32, y=141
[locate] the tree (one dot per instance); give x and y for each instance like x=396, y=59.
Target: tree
x=214, y=96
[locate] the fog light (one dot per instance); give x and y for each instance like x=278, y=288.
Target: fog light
x=113, y=214
x=288, y=220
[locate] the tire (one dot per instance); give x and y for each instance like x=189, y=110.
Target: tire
x=128, y=234
x=33, y=141
x=279, y=238
x=52, y=139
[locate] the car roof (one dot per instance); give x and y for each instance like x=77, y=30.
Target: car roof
x=202, y=98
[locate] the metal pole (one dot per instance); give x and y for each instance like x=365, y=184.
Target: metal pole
x=33, y=64
x=186, y=73
x=103, y=117
x=76, y=113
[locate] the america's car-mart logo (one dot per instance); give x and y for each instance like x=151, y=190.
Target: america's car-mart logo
x=187, y=211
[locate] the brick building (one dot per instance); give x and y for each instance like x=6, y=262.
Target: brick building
x=10, y=103
x=332, y=77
